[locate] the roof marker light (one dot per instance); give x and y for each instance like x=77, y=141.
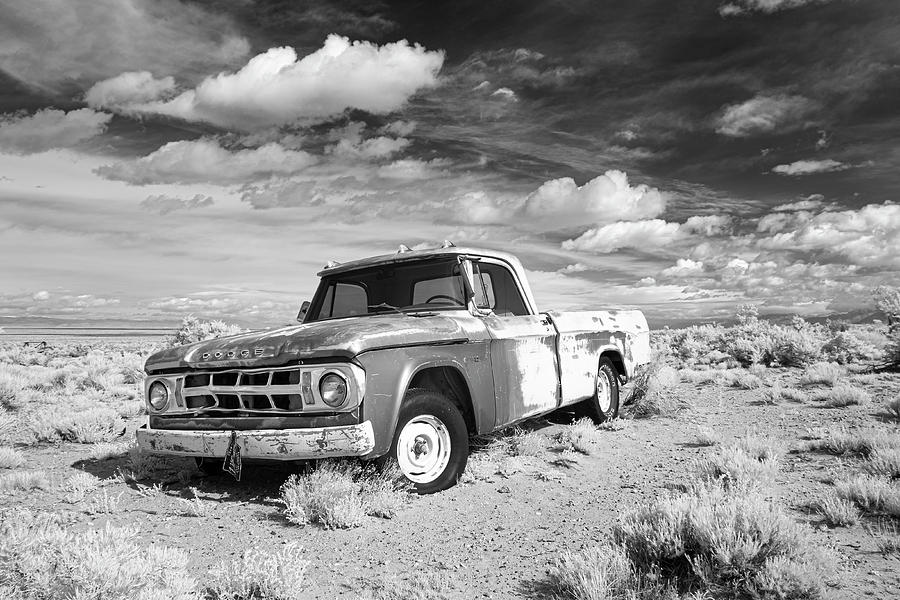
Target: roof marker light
x=448, y=244
x=403, y=249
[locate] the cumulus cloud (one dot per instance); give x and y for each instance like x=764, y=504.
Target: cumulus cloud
x=707, y=225
x=684, y=267
x=48, y=129
x=53, y=43
x=163, y=204
x=372, y=148
x=762, y=114
x=741, y=7
x=130, y=88
x=41, y=295
x=869, y=236
x=652, y=233
x=411, y=169
x=808, y=167
x=811, y=202
x=562, y=203
x=275, y=88
x=205, y=161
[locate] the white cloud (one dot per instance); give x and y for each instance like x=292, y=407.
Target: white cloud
x=607, y=198
x=505, y=94
x=127, y=89
x=808, y=167
x=41, y=295
x=684, y=267
x=205, y=161
x=164, y=204
x=869, y=236
x=653, y=233
x=574, y=268
x=53, y=43
x=372, y=148
x=412, y=169
x=275, y=88
x=707, y=225
x=48, y=129
x=741, y=7
x=762, y=114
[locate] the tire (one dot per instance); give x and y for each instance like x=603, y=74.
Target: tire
x=210, y=466
x=431, y=442
x=604, y=406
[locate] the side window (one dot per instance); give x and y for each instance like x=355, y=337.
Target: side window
x=344, y=300
x=502, y=294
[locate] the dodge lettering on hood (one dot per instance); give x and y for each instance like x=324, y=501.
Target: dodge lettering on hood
x=397, y=358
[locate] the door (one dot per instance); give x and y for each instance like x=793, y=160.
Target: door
x=523, y=349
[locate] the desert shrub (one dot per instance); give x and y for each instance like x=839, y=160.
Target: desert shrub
x=581, y=436
x=843, y=395
x=837, y=511
x=892, y=407
x=822, y=373
x=870, y=493
x=10, y=458
x=883, y=462
x=864, y=443
x=261, y=574
x=744, y=465
x=8, y=425
x=745, y=380
x=853, y=345
x=651, y=393
x=746, y=351
x=527, y=443
x=419, y=586
x=596, y=573
x=794, y=348
x=699, y=376
x=707, y=436
x=194, y=330
x=724, y=544
x=886, y=534
x=339, y=494
x=78, y=486
x=24, y=481
x=89, y=426
x=41, y=559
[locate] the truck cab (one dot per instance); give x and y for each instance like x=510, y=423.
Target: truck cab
x=398, y=358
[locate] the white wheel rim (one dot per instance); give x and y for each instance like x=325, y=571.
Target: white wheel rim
x=423, y=449
x=604, y=392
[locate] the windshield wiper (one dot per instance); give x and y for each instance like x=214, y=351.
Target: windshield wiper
x=384, y=305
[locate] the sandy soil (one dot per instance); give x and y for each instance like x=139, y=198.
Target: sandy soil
x=496, y=538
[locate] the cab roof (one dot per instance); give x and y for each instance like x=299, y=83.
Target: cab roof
x=414, y=255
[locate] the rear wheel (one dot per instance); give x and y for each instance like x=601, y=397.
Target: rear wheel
x=431, y=442
x=605, y=403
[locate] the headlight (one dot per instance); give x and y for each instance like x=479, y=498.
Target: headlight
x=333, y=389
x=158, y=395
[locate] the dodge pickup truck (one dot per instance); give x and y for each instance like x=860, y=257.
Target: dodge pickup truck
x=399, y=358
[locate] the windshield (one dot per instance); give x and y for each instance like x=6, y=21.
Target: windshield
x=403, y=287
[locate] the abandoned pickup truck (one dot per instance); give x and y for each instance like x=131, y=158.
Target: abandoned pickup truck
x=400, y=357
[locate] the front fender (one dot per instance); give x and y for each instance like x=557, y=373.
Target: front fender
x=390, y=371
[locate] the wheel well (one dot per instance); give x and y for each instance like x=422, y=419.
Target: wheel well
x=617, y=361
x=451, y=383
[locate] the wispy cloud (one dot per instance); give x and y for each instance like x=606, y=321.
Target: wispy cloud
x=163, y=204
x=809, y=167
x=763, y=114
x=741, y=7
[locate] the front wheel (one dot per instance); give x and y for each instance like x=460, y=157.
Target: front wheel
x=604, y=406
x=431, y=442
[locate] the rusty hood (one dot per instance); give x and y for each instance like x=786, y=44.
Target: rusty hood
x=338, y=338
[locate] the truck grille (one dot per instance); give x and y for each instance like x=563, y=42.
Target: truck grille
x=258, y=390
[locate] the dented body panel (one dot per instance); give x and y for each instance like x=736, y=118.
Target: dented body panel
x=498, y=364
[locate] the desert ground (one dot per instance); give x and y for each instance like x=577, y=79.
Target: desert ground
x=809, y=455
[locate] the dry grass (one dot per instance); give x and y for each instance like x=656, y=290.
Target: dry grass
x=10, y=458
x=863, y=443
x=652, y=392
x=340, y=494
x=892, y=408
x=871, y=494
x=843, y=395
x=750, y=463
x=527, y=443
x=883, y=462
x=707, y=436
x=581, y=436
x=837, y=511
x=707, y=542
x=78, y=486
x=420, y=586
x=822, y=373
x=24, y=481
x=887, y=536
x=261, y=574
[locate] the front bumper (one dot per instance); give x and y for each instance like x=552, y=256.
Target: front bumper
x=269, y=444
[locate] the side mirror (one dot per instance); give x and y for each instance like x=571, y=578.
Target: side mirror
x=474, y=285
x=304, y=308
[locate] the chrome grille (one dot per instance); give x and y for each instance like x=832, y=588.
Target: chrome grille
x=258, y=390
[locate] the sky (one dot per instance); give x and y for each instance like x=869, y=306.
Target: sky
x=160, y=158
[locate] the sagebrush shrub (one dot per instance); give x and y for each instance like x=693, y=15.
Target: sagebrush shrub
x=822, y=373
x=339, y=494
x=734, y=545
x=193, y=330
